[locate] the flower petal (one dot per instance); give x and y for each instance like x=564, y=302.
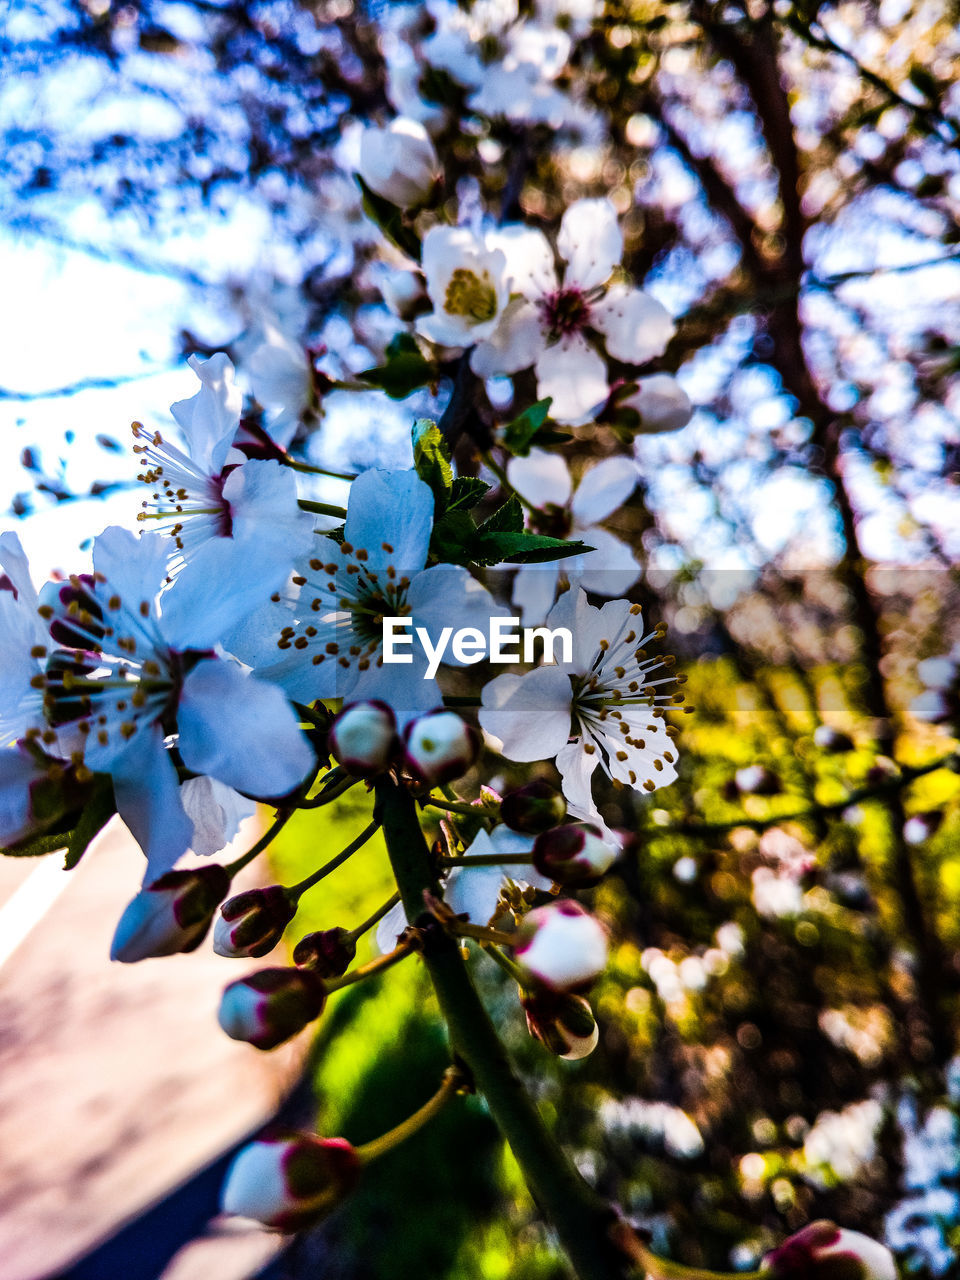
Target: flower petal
x=393, y=508
x=576, y=768
x=209, y=419
x=448, y=595
x=530, y=264
x=516, y=343
x=603, y=489
x=542, y=478
x=263, y=505
x=530, y=715
x=635, y=325
x=241, y=731
x=534, y=590
x=216, y=812
x=147, y=793
x=610, y=569
x=590, y=241
x=223, y=582
x=574, y=376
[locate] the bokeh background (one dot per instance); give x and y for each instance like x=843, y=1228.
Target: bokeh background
x=779, y=1023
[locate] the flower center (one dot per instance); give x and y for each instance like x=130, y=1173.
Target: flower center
x=471, y=295
x=564, y=312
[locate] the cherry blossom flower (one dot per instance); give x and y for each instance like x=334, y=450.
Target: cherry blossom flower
x=467, y=285
x=282, y=378
x=136, y=666
x=210, y=490
x=610, y=569
x=326, y=642
x=602, y=708
x=548, y=324
x=399, y=162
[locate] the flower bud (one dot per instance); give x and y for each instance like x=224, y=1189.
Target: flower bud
x=252, y=923
x=288, y=1180
x=271, y=1006
x=363, y=738
x=562, y=946
x=824, y=1251
x=399, y=162
x=404, y=292
x=660, y=403
x=173, y=914
x=439, y=747
x=327, y=953
x=533, y=808
x=575, y=854
x=561, y=1021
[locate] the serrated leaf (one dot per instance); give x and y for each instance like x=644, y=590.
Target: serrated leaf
x=38, y=845
x=431, y=460
x=506, y=519
x=518, y=435
x=389, y=218
x=405, y=370
x=453, y=536
x=522, y=548
x=467, y=491
x=96, y=813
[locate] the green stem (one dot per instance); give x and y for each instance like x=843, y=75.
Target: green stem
x=657, y=1268
x=330, y=792
x=377, y=965
x=295, y=891
x=452, y=1081
x=581, y=1218
x=268, y=836
x=375, y=918
x=508, y=966
x=487, y=860
x=322, y=508
x=457, y=806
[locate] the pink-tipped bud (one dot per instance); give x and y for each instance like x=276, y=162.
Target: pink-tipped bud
x=327, y=953
x=271, y=1006
x=561, y=1021
x=533, y=808
x=575, y=854
x=290, y=1180
x=252, y=923
x=173, y=914
x=824, y=1251
x=562, y=945
x=439, y=747
x=363, y=738
x=399, y=162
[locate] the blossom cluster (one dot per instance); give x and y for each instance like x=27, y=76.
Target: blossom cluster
x=233, y=651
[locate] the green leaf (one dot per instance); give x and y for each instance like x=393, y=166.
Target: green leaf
x=453, y=536
x=518, y=434
x=96, y=813
x=390, y=220
x=36, y=845
x=506, y=519
x=522, y=548
x=467, y=491
x=405, y=370
x=431, y=459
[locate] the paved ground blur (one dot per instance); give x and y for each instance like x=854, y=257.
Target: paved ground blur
x=116, y=1084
